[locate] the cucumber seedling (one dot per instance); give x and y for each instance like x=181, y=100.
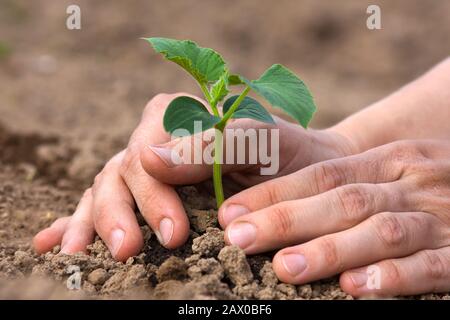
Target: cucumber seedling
x=278, y=85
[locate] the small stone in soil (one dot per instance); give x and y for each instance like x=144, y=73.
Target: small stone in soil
x=98, y=276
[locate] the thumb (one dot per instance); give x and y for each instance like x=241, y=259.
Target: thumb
x=189, y=159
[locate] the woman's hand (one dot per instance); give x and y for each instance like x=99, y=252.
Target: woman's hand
x=140, y=177
x=389, y=206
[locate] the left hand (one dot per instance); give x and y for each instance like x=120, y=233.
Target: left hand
x=389, y=206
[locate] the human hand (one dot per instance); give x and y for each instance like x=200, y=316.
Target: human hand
x=389, y=206
x=108, y=208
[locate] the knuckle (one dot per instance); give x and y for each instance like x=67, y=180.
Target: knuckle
x=406, y=153
x=87, y=194
x=328, y=249
x=428, y=175
x=117, y=159
x=271, y=193
x=407, y=149
x=160, y=100
x=128, y=161
x=102, y=211
x=149, y=207
x=436, y=266
x=327, y=176
x=389, y=230
x=281, y=221
x=391, y=273
x=112, y=166
x=97, y=180
x=354, y=202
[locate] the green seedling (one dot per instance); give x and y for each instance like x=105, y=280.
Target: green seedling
x=278, y=85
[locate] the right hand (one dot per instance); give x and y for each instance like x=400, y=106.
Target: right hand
x=137, y=177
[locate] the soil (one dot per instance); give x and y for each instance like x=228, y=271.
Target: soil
x=70, y=100
x=204, y=268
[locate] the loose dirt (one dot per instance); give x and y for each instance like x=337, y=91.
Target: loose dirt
x=204, y=268
x=69, y=100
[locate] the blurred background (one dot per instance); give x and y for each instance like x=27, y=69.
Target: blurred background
x=89, y=86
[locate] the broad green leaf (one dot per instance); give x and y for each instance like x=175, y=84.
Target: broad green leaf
x=249, y=108
x=234, y=79
x=284, y=90
x=220, y=89
x=204, y=64
x=183, y=111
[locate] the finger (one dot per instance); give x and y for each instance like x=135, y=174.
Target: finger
x=80, y=230
x=46, y=239
x=384, y=235
x=160, y=206
x=373, y=166
x=158, y=202
x=297, y=221
x=423, y=272
x=113, y=209
x=189, y=159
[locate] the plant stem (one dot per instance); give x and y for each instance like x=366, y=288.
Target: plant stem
x=217, y=167
x=233, y=107
x=209, y=99
x=218, y=146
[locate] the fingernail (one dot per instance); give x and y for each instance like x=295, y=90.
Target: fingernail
x=165, y=232
x=167, y=155
x=233, y=211
x=359, y=279
x=294, y=263
x=242, y=234
x=115, y=241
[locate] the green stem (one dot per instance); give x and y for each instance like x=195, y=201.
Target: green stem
x=233, y=108
x=210, y=99
x=218, y=147
x=217, y=168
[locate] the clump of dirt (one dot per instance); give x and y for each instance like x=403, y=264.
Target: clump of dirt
x=209, y=244
x=236, y=266
x=203, y=268
x=173, y=268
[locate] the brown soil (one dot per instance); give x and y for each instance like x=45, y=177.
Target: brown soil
x=204, y=268
x=70, y=99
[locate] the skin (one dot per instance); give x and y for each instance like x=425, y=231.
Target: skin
x=372, y=190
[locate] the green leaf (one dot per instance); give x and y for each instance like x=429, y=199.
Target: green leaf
x=235, y=79
x=183, y=111
x=220, y=89
x=249, y=108
x=204, y=64
x=284, y=90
